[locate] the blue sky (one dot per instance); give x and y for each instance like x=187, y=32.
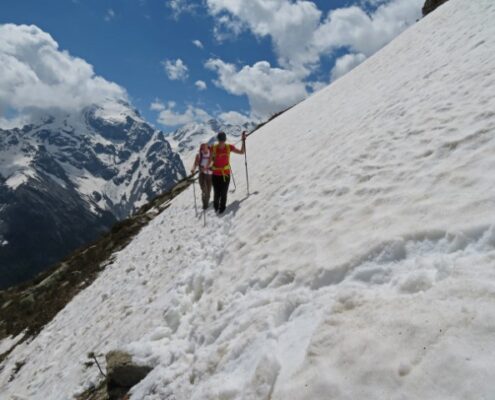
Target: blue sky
x=129, y=42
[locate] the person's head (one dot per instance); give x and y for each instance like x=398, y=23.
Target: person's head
x=222, y=137
x=203, y=146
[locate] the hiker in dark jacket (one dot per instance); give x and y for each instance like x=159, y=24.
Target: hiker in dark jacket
x=203, y=161
x=220, y=166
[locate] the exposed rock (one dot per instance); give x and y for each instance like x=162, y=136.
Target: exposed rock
x=123, y=374
x=431, y=5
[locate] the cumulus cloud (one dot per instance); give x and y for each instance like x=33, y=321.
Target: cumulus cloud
x=289, y=24
x=346, y=63
x=299, y=34
x=178, y=7
x=176, y=70
x=198, y=43
x=201, y=85
x=234, y=118
x=227, y=27
x=371, y=3
x=316, y=86
x=168, y=116
x=352, y=27
x=14, y=121
x=268, y=89
x=38, y=76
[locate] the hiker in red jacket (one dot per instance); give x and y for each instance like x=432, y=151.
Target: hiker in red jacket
x=203, y=161
x=220, y=166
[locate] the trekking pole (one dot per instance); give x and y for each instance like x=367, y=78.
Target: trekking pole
x=195, y=204
x=246, y=165
x=233, y=180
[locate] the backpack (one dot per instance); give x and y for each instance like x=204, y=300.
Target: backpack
x=221, y=163
x=204, y=158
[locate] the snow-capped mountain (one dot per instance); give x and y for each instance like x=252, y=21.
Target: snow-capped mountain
x=67, y=178
x=186, y=139
x=360, y=267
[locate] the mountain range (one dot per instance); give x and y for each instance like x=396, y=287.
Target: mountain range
x=67, y=178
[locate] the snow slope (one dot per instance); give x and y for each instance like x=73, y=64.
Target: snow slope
x=362, y=265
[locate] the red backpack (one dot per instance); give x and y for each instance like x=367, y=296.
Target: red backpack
x=221, y=160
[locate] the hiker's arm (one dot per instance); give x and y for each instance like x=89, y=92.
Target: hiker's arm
x=196, y=163
x=243, y=148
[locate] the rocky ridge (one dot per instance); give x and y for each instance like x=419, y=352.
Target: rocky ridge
x=68, y=178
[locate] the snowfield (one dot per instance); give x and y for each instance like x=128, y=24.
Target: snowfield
x=362, y=265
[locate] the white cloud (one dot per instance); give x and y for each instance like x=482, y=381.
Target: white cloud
x=201, y=85
x=37, y=76
x=157, y=105
x=227, y=27
x=299, y=35
x=169, y=117
x=198, y=43
x=268, y=89
x=353, y=28
x=371, y=3
x=178, y=7
x=316, y=86
x=300, y=38
x=109, y=15
x=14, y=122
x=234, y=118
x=289, y=24
x=176, y=70
x=346, y=63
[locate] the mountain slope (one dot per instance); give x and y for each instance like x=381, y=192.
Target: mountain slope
x=68, y=178
x=361, y=266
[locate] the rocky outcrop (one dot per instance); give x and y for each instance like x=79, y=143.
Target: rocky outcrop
x=431, y=5
x=123, y=374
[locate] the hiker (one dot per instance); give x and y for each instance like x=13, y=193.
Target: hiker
x=220, y=165
x=203, y=160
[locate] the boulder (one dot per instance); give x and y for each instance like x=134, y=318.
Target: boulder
x=123, y=374
x=431, y=5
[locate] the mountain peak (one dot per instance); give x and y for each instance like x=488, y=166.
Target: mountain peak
x=103, y=163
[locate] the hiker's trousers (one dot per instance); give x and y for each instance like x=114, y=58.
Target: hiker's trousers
x=205, y=184
x=220, y=190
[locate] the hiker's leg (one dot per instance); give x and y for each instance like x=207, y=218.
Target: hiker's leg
x=217, y=187
x=208, y=189
x=203, y=184
x=225, y=190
